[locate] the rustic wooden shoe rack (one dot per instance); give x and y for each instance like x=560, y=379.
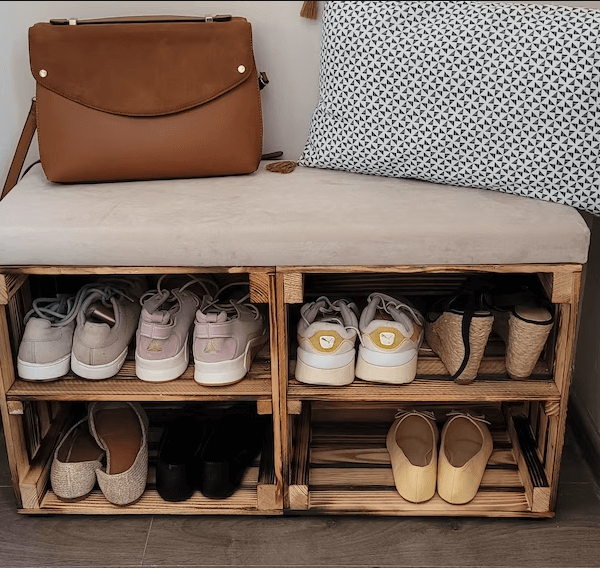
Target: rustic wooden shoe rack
x=327, y=451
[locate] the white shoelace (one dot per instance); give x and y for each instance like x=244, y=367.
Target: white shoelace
x=231, y=306
x=63, y=309
x=388, y=302
x=331, y=311
x=173, y=295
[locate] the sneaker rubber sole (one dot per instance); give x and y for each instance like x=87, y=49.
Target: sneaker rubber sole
x=44, y=371
x=98, y=372
x=391, y=373
x=332, y=370
x=228, y=372
x=162, y=370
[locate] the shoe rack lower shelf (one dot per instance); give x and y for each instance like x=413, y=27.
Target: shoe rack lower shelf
x=253, y=497
x=344, y=468
x=258, y=494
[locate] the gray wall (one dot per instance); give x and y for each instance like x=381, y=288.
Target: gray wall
x=287, y=48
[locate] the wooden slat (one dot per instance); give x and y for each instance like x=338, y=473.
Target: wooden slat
x=435, y=268
x=259, y=287
x=293, y=292
x=361, y=284
x=352, y=435
x=249, y=479
x=85, y=270
x=568, y=315
x=431, y=390
x=558, y=286
x=34, y=484
x=126, y=386
x=389, y=502
x=264, y=406
x=299, y=468
x=14, y=434
x=269, y=495
x=280, y=348
x=243, y=501
x=18, y=305
x=373, y=412
x=278, y=339
x=380, y=456
x=9, y=285
x=521, y=463
x=383, y=477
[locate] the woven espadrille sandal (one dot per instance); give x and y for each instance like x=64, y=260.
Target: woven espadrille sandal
x=76, y=459
x=523, y=319
x=121, y=429
x=457, y=329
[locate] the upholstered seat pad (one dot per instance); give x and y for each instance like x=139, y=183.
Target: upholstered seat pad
x=308, y=217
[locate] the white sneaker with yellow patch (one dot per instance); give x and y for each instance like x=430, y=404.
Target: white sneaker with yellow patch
x=391, y=332
x=327, y=334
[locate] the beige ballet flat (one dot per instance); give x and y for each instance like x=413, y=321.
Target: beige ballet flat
x=465, y=449
x=412, y=445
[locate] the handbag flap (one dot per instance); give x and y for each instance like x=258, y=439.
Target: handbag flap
x=142, y=68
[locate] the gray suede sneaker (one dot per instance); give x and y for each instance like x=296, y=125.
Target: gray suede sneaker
x=227, y=336
x=162, y=337
x=45, y=350
x=106, y=322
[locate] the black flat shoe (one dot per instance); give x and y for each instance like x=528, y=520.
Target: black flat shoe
x=175, y=467
x=234, y=442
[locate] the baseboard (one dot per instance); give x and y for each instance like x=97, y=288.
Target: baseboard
x=586, y=433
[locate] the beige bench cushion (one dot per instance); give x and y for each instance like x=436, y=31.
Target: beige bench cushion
x=309, y=217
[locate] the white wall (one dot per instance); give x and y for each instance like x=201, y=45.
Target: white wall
x=287, y=48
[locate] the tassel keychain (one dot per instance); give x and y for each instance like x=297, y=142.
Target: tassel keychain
x=309, y=10
x=282, y=167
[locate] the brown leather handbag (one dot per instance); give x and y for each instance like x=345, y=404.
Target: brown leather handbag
x=141, y=98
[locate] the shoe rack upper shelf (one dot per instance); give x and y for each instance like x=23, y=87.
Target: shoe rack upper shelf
x=256, y=385
x=433, y=383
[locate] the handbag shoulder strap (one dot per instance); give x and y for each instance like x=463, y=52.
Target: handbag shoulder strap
x=21, y=152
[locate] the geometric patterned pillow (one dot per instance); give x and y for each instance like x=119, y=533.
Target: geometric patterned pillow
x=492, y=95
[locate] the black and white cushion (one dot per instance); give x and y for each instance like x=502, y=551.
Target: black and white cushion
x=492, y=95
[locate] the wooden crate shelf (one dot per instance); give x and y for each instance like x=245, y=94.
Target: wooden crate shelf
x=126, y=386
x=433, y=383
x=248, y=499
x=346, y=470
x=318, y=465
x=337, y=468
x=258, y=493
x=434, y=390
